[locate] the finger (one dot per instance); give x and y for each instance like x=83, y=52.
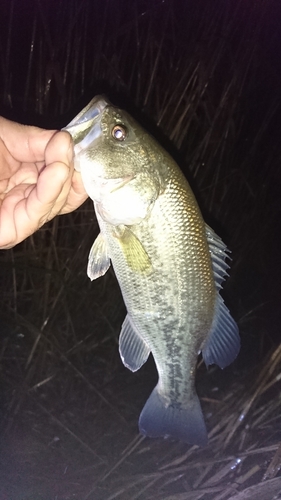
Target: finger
x=54, y=182
x=23, y=211
x=13, y=225
x=77, y=194
x=55, y=179
x=60, y=147
x=25, y=143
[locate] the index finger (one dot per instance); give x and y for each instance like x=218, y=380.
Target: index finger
x=25, y=143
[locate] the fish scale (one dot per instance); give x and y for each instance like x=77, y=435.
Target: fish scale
x=168, y=263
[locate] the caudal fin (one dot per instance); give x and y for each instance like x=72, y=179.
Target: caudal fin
x=183, y=424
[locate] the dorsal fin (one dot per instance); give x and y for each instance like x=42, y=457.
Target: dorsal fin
x=223, y=342
x=219, y=254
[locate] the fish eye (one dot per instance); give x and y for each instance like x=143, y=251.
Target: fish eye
x=119, y=132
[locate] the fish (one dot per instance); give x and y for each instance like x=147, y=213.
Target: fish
x=170, y=265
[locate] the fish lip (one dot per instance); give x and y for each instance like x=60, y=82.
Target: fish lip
x=87, y=120
x=90, y=112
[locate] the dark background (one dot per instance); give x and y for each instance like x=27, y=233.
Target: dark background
x=204, y=78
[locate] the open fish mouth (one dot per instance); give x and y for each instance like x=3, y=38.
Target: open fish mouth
x=85, y=127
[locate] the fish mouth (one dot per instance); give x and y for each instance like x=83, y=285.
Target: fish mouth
x=85, y=127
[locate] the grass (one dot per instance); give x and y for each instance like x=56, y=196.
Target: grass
x=204, y=78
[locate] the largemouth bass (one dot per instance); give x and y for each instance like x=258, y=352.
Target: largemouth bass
x=168, y=262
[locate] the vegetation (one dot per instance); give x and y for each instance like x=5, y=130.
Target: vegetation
x=204, y=78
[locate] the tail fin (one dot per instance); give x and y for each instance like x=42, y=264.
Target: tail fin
x=185, y=424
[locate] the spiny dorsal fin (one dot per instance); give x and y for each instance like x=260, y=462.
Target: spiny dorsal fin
x=219, y=253
x=223, y=342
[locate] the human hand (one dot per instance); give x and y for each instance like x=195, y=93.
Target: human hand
x=37, y=179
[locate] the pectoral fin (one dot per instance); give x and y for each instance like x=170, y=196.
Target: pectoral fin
x=223, y=342
x=133, y=250
x=98, y=261
x=133, y=349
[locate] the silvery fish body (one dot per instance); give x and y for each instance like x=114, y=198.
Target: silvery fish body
x=168, y=263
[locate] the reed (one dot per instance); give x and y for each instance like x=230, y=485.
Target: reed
x=203, y=77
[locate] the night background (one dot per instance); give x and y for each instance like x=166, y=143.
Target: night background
x=204, y=77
